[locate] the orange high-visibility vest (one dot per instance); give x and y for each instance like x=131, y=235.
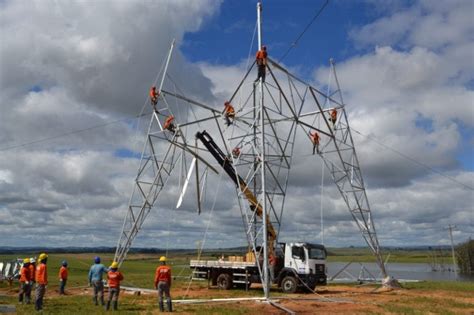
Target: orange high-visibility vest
x=168, y=121
x=63, y=273
x=229, y=109
x=41, y=274
x=114, y=278
x=334, y=114
x=24, y=274
x=315, y=137
x=163, y=273
x=32, y=272
x=153, y=93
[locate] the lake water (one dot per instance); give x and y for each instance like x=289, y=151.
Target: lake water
x=408, y=271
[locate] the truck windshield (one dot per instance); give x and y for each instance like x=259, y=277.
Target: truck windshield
x=316, y=253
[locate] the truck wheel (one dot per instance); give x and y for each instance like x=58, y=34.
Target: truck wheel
x=289, y=284
x=224, y=281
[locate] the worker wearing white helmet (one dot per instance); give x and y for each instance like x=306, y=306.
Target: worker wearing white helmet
x=32, y=267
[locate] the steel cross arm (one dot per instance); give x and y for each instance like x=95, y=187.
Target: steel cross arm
x=185, y=148
x=242, y=81
x=320, y=112
x=302, y=81
x=184, y=98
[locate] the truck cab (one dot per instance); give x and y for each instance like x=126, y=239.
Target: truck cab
x=303, y=267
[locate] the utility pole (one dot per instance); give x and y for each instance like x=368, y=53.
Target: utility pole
x=450, y=228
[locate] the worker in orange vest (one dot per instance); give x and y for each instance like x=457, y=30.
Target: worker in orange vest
x=32, y=268
x=272, y=261
x=24, y=281
x=62, y=277
x=154, y=96
x=236, y=152
x=41, y=281
x=229, y=112
x=163, y=284
x=315, y=139
x=333, y=117
x=169, y=125
x=114, y=277
x=261, y=59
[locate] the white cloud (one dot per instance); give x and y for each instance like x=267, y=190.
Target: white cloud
x=94, y=64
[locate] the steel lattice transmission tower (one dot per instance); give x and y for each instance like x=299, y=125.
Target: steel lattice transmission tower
x=272, y=119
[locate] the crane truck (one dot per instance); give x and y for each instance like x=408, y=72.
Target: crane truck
x=297, y=265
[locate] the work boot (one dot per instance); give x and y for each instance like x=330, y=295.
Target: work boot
x=115, y=305
x=162, y=308
x=102, y=301
x=107, y=306
x=94, y=299
x=20, y=299
x=169, y=305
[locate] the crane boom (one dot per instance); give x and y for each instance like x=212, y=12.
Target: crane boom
x=226, y=164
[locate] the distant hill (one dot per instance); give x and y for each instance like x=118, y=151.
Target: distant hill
x=241, y=249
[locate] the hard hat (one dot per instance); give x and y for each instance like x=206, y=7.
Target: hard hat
x=64, y=263
x=114, y=265
x=226, y=103
x=162, y=258
x=26, y=261
x=153, y=87
x=32, y=260
x=42, y=256
x=97, y=259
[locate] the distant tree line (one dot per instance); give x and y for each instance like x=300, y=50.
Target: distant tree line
x=465, y=257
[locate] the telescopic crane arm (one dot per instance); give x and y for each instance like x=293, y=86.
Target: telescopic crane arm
x=226, y=164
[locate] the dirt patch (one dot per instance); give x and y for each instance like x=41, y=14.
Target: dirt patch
x=338, y=299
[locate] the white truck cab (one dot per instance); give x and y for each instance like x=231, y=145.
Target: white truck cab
x=304, y=266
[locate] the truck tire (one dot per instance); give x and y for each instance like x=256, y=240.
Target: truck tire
x=224, y=281
x=289, y=284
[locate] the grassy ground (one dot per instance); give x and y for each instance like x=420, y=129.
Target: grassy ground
x=414, y=298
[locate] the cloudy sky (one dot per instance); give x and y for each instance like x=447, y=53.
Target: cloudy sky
x=73, y=75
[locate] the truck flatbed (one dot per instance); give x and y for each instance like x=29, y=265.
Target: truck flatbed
x=221, y=264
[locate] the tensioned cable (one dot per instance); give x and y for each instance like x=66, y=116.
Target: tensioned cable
x=70, y=133
x=304, y=31
x=203, y=242
x=413, y=160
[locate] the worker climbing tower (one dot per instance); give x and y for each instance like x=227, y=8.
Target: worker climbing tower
x=272, y=116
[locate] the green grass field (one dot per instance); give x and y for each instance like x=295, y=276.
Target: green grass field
x=428, y=297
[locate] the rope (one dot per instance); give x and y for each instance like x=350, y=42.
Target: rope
x=205, y=232
x=413, y=160
x=304, y=31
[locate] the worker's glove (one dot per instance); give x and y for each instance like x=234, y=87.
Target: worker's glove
x=26, y=282
x=60, y=280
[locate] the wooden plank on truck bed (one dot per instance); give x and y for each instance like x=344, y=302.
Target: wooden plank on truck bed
x=221, y=264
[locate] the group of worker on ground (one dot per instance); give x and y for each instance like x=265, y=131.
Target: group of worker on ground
x=34, y=273
x=229, y=111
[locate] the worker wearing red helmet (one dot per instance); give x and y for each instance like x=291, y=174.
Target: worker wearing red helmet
x=261, y=59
